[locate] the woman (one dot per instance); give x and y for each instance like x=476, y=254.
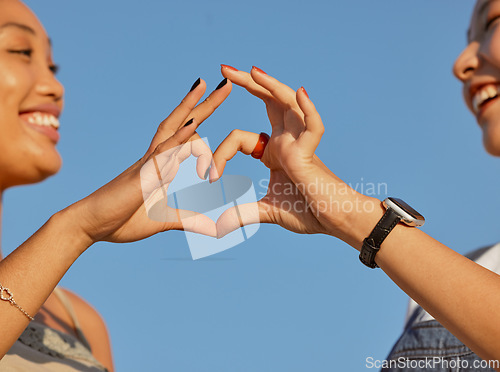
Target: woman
x=64, y=328
x=460, y=294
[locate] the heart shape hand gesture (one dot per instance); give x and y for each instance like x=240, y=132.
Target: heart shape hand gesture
x=126, y=209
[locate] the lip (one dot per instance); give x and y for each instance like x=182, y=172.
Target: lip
x=473, y=89
x=484, y=107
x=48, y=131
x=49, y=108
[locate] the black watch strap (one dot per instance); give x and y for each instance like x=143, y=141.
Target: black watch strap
x=371, y=245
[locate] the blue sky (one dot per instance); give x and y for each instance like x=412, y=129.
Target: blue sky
x=379, y=74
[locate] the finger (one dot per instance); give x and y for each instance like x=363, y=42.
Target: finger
x=237, y=140
x=201, y=150
x=166, y=159
x=281, y=92
x=179, y=138
x=183, y=152
x=314, y=130
x=241, y=215
x=178, y=116
x=244, y=80
x=179, y=219
x=195, y=222
x=200, y=113
x=212, y=102
x=292, y=120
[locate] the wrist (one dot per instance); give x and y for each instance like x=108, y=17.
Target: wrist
x=69, y=225
x=342, y=211
x=356, y=225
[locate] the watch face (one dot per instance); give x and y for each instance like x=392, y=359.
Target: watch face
x=408, y=215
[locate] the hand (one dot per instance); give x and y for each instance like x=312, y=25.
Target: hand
x=117, y=212
x=303, y=195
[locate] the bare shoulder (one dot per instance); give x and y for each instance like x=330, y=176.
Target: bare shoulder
x=84, y=311
x=93, y=327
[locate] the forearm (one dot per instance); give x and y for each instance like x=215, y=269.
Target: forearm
x=460, y=294
x=33, y=270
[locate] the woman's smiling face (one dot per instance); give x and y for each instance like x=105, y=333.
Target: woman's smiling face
x=31, y=98
x=478, y=67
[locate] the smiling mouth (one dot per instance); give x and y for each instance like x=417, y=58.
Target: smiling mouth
x=485, y=95
x=41, y=118
x=43, y=122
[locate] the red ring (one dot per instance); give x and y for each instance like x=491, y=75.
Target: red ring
x=258, y=151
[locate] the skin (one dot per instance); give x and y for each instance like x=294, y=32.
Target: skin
x=32, y=271
x=460, y=294
x=27, y=81
x=479, y=63
x=466, y=304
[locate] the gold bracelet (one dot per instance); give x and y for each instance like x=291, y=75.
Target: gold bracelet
x=10, y=298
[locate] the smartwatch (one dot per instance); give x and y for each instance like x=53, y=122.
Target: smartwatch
x=396, y=211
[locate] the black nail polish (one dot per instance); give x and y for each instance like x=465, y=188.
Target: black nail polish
x=221, y=84
x=206, y=173
x=196, y=83
x=188, y=123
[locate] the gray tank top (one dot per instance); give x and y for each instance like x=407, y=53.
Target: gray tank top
x=43, y=349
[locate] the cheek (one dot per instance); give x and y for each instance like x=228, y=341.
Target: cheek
x=26, y=158
x=13, y=90
x=16, y=84
x=494, y=47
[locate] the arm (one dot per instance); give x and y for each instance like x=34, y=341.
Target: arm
x=33, y=270
x=459, y=293
x=114, y=213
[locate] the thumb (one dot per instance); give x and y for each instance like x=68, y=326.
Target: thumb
x=197, y=223
x=242, y=215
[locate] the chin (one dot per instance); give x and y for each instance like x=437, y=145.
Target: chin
x=491, y=137
x=492, y=144
x=48, y=168
x=34, y=173
x=493, y=150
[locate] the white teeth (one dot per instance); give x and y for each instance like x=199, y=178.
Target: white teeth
x=43, y=119
x=483, y=94
x=492, y=91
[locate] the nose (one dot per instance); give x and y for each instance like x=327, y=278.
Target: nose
x=48, y=85
x=467, y=62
